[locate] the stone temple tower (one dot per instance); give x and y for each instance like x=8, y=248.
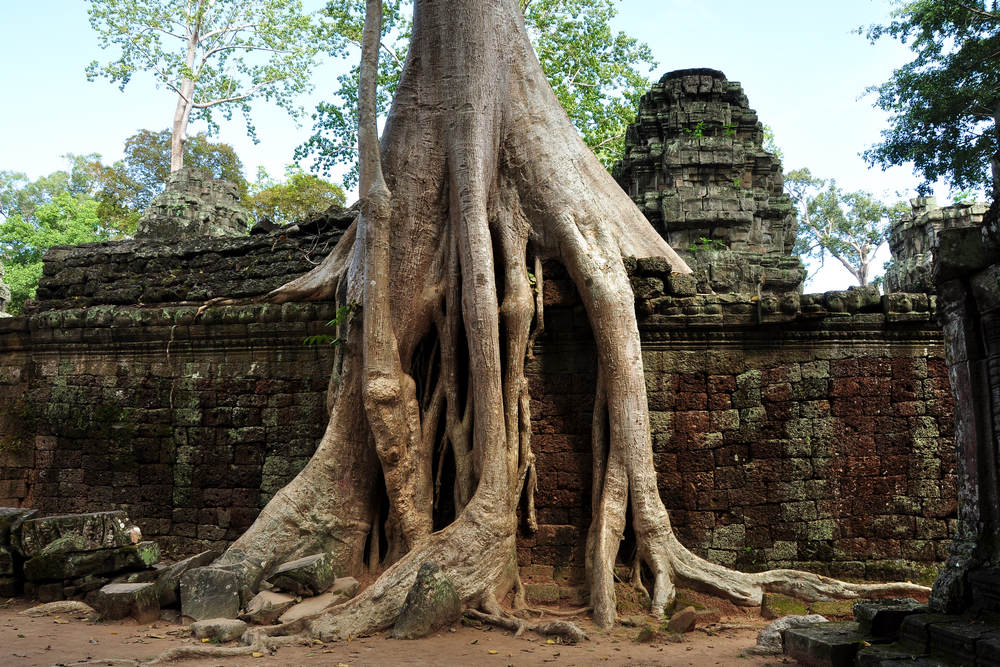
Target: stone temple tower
x=695, y=165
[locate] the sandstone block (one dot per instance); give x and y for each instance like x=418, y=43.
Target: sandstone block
x=306, y=576
x=210, y=592
x=219, y=629
x=683, y=620
x=265, y=607
x=74, y=532
x=116, y=601
x=81, y=563
x=168, y=581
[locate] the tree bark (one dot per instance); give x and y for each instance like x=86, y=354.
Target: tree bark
x=487, y=177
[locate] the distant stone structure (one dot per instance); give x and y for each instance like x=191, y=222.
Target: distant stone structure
x=912, y=240
x=4, y=295
x=194, y=204
x=695, y=165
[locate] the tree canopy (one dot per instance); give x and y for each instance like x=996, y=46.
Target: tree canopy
x=848, y=226
x=300, y=197
x=57, y=209
x=215, y=55
x=596, y=73
x=945, y=103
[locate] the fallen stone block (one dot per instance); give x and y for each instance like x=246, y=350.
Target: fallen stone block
x=219, y=629
x=266, y=607
x=74, y=532
x=72, y=608
x=6, y=562
x=50, y=592
x=210, y=592
x=305, y=576
x=116, y=601
x=313, y=605
x=168, y=580
x=81, y=563
x=825, y=644
x=769, y=640
x=431, y=604
x=10, y=587
x=882, y=618
x=683, y=621
x=346, y=587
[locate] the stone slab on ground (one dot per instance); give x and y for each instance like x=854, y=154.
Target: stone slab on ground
x=168, y=580
x=70, y=607
x=914, y=632
x=10, y=587
x=683, y=620
x=265, y=607
x=985, y=585
x=116, y=601
x=956, y=640
x=306, y=576
x=825, y=644
x=219, y=629
x=431, y=604
x=315, y=605
x=882, y=618
x=85, y=532
x=769, y=640
x=210, y=592
x=102, y=561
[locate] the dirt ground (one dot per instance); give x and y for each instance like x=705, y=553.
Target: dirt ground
x=69, y=641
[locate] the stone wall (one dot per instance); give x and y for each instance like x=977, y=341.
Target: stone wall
x=812, y=432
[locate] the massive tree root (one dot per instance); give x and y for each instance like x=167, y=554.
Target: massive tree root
x=484, y=176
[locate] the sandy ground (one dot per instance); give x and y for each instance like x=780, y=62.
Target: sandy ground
x=69, y=641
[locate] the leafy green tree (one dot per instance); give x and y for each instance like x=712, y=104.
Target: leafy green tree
x=595, y=72
x=302, y=196
x=216, y=55
x=945, y=103
x=848, y=226
x=130, y=184
x=42, y=219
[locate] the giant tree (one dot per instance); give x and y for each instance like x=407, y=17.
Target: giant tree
x=215, y=55
x=596, y=73
x=479, y=178
x=945, y=103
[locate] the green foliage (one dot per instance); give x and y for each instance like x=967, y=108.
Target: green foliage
x=595, y=72
x=849, y=226
x=705, y=244
x=344, y=315
x=945, y=103
x=216, y=55
x=127, y=186
x=58, y=209
x=697, y=131
x=301, y=197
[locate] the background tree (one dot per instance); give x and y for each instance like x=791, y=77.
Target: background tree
x=945, y=103
x=300, y=197
x=849, y=226
x=58, y=209
x=479, y=178
x=215, y=55
x=597, y=74
x=128, y=185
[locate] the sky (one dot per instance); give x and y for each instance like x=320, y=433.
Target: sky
x=802, y=67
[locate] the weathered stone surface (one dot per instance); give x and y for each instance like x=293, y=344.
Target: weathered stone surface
x=10, y=587
x=73, y=608
x=774, y=605
x=219, y=629
x=168, y=580
x=824, y=644
x=882, y=618
x=683, y=620
x=431, y=604
x=194, y=204
x=74, y=532
x=306, y=576
x=116, y=601
x=210, y=592
x=346, y=587
x=313, y=605
x=80, y=563
x=6, y=562
x=265, y=607
x=11, y=518
x=769, y=640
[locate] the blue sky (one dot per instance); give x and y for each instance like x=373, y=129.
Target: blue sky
x=801, y=66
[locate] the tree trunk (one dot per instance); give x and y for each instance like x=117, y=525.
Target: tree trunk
x=486, y=174
x=178, y=136
x=995, y=158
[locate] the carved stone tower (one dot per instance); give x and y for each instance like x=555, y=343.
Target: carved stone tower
x=695, y=165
